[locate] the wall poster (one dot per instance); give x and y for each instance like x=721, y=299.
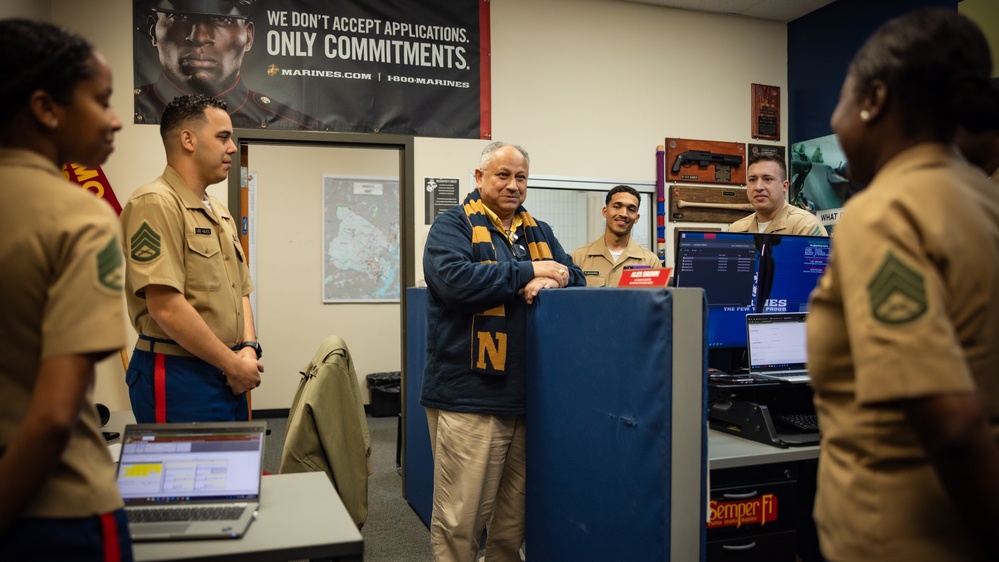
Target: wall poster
x=818, y=177
x=364, y=66
x=440, y=195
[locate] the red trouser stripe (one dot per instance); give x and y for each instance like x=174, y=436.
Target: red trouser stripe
x=159, y=388
x=112, y=550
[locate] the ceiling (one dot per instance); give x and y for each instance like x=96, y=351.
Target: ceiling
x=777, y=10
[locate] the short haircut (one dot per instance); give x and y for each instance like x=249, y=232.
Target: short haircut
x=40, y=56
x=487, y=153
x=770, y=157
x=622, y=189
x=188, y=108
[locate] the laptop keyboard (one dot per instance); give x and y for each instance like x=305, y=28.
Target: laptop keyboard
x=200, y=513
x=801, y=422
x=789, y=374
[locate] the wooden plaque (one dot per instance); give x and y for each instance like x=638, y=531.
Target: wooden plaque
x=757, y=149
x=766, y=112
x=702, y=161
x=689, y=203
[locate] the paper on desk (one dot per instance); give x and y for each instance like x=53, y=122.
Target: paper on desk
x=115, y=450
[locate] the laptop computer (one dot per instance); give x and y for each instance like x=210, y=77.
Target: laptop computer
x=191, y=480
x=776, y=345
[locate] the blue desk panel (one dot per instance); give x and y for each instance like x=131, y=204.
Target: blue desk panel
x=418, y=463
x=601, y=425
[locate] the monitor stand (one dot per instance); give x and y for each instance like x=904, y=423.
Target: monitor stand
x=749, y=412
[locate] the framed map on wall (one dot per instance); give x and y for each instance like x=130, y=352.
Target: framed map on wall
x=360, y=239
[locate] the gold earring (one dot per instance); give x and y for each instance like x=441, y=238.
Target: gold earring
x=865, y=115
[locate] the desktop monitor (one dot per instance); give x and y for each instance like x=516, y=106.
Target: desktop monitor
x=744, y=272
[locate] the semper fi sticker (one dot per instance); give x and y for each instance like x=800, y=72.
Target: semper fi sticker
x=743, y=512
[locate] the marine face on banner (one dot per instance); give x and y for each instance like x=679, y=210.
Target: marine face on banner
x=200, y=52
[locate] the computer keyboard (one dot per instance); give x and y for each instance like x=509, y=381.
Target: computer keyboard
x=801, y=422
x=202, y=513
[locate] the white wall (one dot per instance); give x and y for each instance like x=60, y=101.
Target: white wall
x=30, y=9
x=588, y=87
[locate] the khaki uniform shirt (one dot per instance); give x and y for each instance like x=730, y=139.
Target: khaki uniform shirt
x=61, y=287
x=172, y=239
x=599, y=267
x=789, y=220
x=908, y=307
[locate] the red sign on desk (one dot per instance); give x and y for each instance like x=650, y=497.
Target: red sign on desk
x=644, y=277
x=745, y=512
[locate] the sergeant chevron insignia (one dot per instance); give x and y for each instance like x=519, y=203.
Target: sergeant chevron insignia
x=145, y=244
x=109, y=270
x=896, y=292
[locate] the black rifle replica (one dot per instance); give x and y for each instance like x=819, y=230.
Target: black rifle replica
x=703, y=158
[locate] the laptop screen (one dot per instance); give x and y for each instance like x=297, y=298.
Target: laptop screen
x=183, y=462
x=776, y=341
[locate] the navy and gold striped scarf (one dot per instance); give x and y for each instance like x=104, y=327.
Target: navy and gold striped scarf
x=489, y=333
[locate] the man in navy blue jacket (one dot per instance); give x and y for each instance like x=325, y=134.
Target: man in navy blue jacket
x=485, y=262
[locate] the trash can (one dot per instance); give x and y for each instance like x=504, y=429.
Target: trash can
x=385, y=390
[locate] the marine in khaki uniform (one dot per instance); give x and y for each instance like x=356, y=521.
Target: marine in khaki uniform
x=187, y=283
x=604, y=259
x=62, y=307
x=766, y=179
x=80, y=314
x=904, y=323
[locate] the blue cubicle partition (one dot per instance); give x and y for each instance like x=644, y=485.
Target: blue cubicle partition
x=616, y=421
x=418, y=463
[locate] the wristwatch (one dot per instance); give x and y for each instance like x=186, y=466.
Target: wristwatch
x=255, y=345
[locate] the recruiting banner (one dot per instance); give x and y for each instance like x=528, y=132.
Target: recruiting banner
x=366, y=66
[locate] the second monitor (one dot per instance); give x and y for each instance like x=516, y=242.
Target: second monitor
x=743, y=272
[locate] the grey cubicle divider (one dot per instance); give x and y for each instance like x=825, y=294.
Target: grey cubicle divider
x=617, y=441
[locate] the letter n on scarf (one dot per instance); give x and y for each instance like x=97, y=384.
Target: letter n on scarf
x=489, y=333
x=489, y=343
x=492, y=346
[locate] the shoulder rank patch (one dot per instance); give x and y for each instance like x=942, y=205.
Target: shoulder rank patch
x=145, y=244
x=109, y=270
x=897, y=292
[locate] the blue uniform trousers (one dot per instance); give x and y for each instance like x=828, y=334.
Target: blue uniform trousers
x=170, y=388
x=100, y=538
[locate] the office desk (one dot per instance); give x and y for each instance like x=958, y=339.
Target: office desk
x=742, y=471
x=730, y=451
x=300, y=516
